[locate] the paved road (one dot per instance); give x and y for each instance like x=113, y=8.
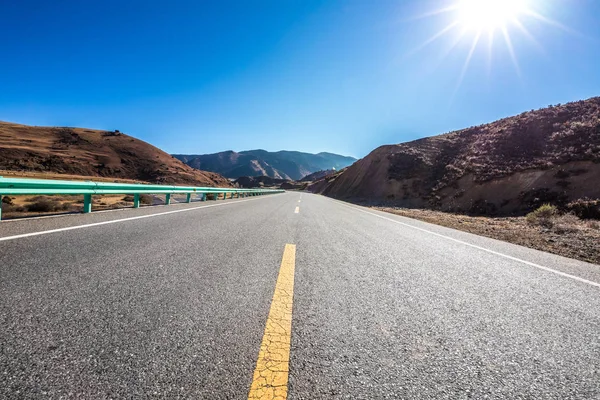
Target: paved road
x=145, y=304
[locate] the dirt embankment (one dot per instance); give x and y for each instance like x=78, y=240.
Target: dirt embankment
x=508, y=167
x=55, y=152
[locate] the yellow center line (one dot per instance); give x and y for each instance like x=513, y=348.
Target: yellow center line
x=272, y=367
x=297, y=210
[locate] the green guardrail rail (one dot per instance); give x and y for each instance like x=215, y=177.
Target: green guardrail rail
x=21, y=186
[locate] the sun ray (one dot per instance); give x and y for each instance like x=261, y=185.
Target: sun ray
x=432, y=39
x=511, y=49
x=452, y=46
x=433, y=13
x=442, y=55
x=528, y=35
x=549, y=21
x=507, y=21
x=490, y=53
x=467, y=62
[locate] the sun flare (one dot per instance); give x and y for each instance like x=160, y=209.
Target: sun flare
x=489, y=15
x=491, y=24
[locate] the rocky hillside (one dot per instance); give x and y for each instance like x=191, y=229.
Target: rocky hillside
x=506, y=167
x=292, y=165
x=93, y=153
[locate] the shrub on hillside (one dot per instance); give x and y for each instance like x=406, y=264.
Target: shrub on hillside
x=7, y=200
x=146, y=199
x=585, y=208
x=6, y=208
x=543, y=216
x=47, y=205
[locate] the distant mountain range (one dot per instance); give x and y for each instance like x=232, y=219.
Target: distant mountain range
x=292, y=165
x=315, y=176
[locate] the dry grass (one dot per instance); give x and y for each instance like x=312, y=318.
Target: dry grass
x=29, y=206
x=568, y=235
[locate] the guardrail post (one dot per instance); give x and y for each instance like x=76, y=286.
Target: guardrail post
x=188, y=198
x=203, y=197
x=168, y=199
x=136, y=200
x=0, y=206
x=87, y=203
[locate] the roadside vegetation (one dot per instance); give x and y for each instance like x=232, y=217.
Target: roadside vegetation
x=569, y=232
x=28, y=206
x=144, y=199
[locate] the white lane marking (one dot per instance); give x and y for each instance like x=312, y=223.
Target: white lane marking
x=564, y=274
x=297, y=210
x=114, y=221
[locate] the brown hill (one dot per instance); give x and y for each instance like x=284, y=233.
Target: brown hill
x=93, y=153
x=507, y=167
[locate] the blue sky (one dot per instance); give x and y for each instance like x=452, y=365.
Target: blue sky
x=307, y=75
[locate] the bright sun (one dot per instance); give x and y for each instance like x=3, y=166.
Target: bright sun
x=482, y=21
x=489, y=15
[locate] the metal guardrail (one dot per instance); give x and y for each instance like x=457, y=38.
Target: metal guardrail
x=19, y=186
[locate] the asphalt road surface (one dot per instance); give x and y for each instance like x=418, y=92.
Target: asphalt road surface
x=293, y=295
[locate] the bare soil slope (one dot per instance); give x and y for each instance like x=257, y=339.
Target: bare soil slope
x=510, y=166
x=93, y=153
